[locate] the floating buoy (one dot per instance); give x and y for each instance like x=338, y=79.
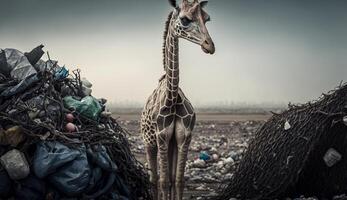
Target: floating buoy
x=69, y=117
x=70, y=127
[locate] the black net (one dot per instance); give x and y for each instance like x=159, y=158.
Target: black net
x=285, y=158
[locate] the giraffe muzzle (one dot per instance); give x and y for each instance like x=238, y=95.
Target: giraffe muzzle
x=208, y=46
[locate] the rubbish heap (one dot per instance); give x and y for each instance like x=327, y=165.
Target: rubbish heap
x=301, y=151
x=56, y=139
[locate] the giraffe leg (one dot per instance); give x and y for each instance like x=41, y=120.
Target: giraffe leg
x=151, y=154
x=183, y=138
x=163, y=140
x=172, y=166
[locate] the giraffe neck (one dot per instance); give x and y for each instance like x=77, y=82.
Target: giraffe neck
x=171, y=67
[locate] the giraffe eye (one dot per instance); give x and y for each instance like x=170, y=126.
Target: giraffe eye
x=185, y=21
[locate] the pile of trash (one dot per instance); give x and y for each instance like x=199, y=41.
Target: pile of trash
x=56, y=140
x=301, y=151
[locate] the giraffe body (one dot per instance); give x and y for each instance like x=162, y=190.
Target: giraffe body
x=168, y=117
x=176, y=123
x=157, y=116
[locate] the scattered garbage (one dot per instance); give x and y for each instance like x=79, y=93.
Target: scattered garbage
x=57, y=140
x=215, y=156
x=204, y=156
x=199, y=163
x=331, y=157
x=287, y=126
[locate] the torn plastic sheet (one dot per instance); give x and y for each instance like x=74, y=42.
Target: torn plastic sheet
x=18, y=64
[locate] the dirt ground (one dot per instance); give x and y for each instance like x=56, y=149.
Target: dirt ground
x=225, y=135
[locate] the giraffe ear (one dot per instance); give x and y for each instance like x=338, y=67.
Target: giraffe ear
x=173, y=3
x=203, y=3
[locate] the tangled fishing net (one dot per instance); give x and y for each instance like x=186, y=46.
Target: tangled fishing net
x=301, y=151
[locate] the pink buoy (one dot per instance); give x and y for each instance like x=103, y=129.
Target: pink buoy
x=70, y=127
x=69, y=117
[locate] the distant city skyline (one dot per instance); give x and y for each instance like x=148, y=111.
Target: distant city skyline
x=267, y=51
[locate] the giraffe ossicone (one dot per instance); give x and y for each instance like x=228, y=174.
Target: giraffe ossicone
x=168, y=117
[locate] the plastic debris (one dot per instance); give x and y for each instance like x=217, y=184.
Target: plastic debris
x=73, y=177
x=86, y=91
x=21, y=86
x=12, y=136
x=204, y=156
x=35, y=55
x=215, y=156
x=86, y=83
x=16, y=165
x=50, y=156
x=199, y=163
x=19, y=65
x=88, y=106
x=287, y=126
x=4, y=68
x=98, y=155
x=331, y=157
x=77, y=151
x=61, y=73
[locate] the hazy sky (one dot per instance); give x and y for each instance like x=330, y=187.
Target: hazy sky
x=266, y=50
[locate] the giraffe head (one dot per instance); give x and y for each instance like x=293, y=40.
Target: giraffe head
x=189, y=22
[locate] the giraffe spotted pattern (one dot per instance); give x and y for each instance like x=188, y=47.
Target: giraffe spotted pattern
x=157, y=116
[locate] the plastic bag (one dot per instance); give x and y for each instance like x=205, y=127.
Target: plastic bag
x=49, y=65
x=104, y=187
x=19, y=64
x=88, y=107
x=67, y=169
x=49, y=156
x=21, y=86
x=4, y=68
x=35, y=55
x=61, y=73
x=99, y=156
x=73, y=178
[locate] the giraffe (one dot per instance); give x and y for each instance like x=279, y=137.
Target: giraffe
x=168, y=118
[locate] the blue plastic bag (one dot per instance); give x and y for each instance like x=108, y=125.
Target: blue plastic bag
x=73, y=178
x=65, y=168
x=61, y=73
x=98, y=155
x=24, y=84
x=50, y=156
